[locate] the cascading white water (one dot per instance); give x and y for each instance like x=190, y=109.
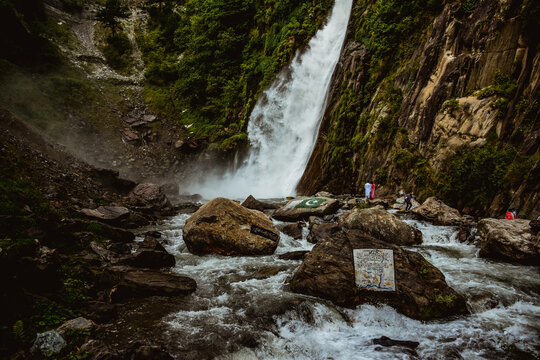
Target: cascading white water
x=285, y=121
x=247, y=297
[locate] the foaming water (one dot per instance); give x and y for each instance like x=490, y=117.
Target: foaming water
x=284, y=123
x=242, y=308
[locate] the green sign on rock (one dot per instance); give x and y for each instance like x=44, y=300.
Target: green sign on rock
x=310, y=203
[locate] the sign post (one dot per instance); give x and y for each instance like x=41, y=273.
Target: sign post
x=374, y=269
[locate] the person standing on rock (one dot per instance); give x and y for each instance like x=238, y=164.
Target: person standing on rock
x=367, y=187
x=408, y=201
x=372, y=191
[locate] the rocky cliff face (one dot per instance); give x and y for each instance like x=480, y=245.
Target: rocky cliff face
x=464, y=81
x=79, y=99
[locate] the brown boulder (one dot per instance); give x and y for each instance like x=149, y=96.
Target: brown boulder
x=143, y=283
x=149, y=196
x=251, y=203
x=508, y=240
x=302, y=209
x=439, y=213
x=224, y=227
x=318, y=232
x=293, y=230
x=421, y=290
x=382, y=225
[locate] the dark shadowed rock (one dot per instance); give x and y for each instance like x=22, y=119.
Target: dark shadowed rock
x=293, y=230
x=386, y=341
x=439, y=213
x=294, y=255
x=150, y=254
x=302, y=209
x=382, y=225
x=421, y=290
x=224, y=227
x=101, y=312
x=149, y=258
x=508, y=240
x=535, y=226
x=318, y=232
x=154, y=234
x=254, y=204
x=142, y=283
x=148, y=352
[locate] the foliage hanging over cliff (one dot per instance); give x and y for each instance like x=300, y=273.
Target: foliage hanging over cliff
x=207, y=60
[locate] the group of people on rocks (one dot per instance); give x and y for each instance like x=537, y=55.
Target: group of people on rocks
x=369, y=188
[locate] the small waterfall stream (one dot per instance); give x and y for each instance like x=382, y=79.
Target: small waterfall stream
x=285, y=121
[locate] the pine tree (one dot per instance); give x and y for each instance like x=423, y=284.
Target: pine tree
x=111, y=12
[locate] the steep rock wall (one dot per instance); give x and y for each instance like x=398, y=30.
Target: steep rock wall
x=465, y=78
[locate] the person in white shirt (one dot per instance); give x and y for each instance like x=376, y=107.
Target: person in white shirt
x=367, y=186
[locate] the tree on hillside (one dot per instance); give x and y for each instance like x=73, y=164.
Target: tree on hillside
x=110, y=14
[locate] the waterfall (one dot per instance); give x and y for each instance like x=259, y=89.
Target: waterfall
x=285, y=121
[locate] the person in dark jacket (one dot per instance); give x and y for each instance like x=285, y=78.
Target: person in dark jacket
x=408, y=200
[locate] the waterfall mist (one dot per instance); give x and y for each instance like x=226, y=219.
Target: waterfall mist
x=284, y=124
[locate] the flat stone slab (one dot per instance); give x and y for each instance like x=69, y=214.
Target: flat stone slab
x=303, y=208
x=107, y=212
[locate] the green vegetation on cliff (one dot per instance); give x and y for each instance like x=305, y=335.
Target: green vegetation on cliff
x=208, y=60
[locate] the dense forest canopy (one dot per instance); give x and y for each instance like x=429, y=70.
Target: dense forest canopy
x=207, y=60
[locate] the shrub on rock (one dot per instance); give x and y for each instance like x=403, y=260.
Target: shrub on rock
x=223, y=226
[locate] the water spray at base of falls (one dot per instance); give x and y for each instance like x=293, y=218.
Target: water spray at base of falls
x=284, y=124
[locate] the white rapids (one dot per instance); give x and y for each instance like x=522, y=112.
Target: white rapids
x=284, y=124
x=248, y=296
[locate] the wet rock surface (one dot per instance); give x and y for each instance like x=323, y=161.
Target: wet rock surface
x=439, y=213
x=149, y=196
x=421, y=289
x=303, y=208
x=508, y=240
x=382, y=225
x=251, y=203
x=224, y=227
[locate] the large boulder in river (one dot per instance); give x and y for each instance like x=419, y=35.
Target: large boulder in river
x=149, y=196
x=302, y=209
x=382, y=225
x=439, y=213
x=223, y=226
x=508, y=240
x=328, y=272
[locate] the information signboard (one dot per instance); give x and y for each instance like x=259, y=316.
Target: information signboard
x=374, y=269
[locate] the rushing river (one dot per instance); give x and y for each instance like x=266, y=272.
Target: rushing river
x=242, y=308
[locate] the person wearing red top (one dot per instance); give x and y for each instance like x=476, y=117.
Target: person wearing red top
x=510, y=215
